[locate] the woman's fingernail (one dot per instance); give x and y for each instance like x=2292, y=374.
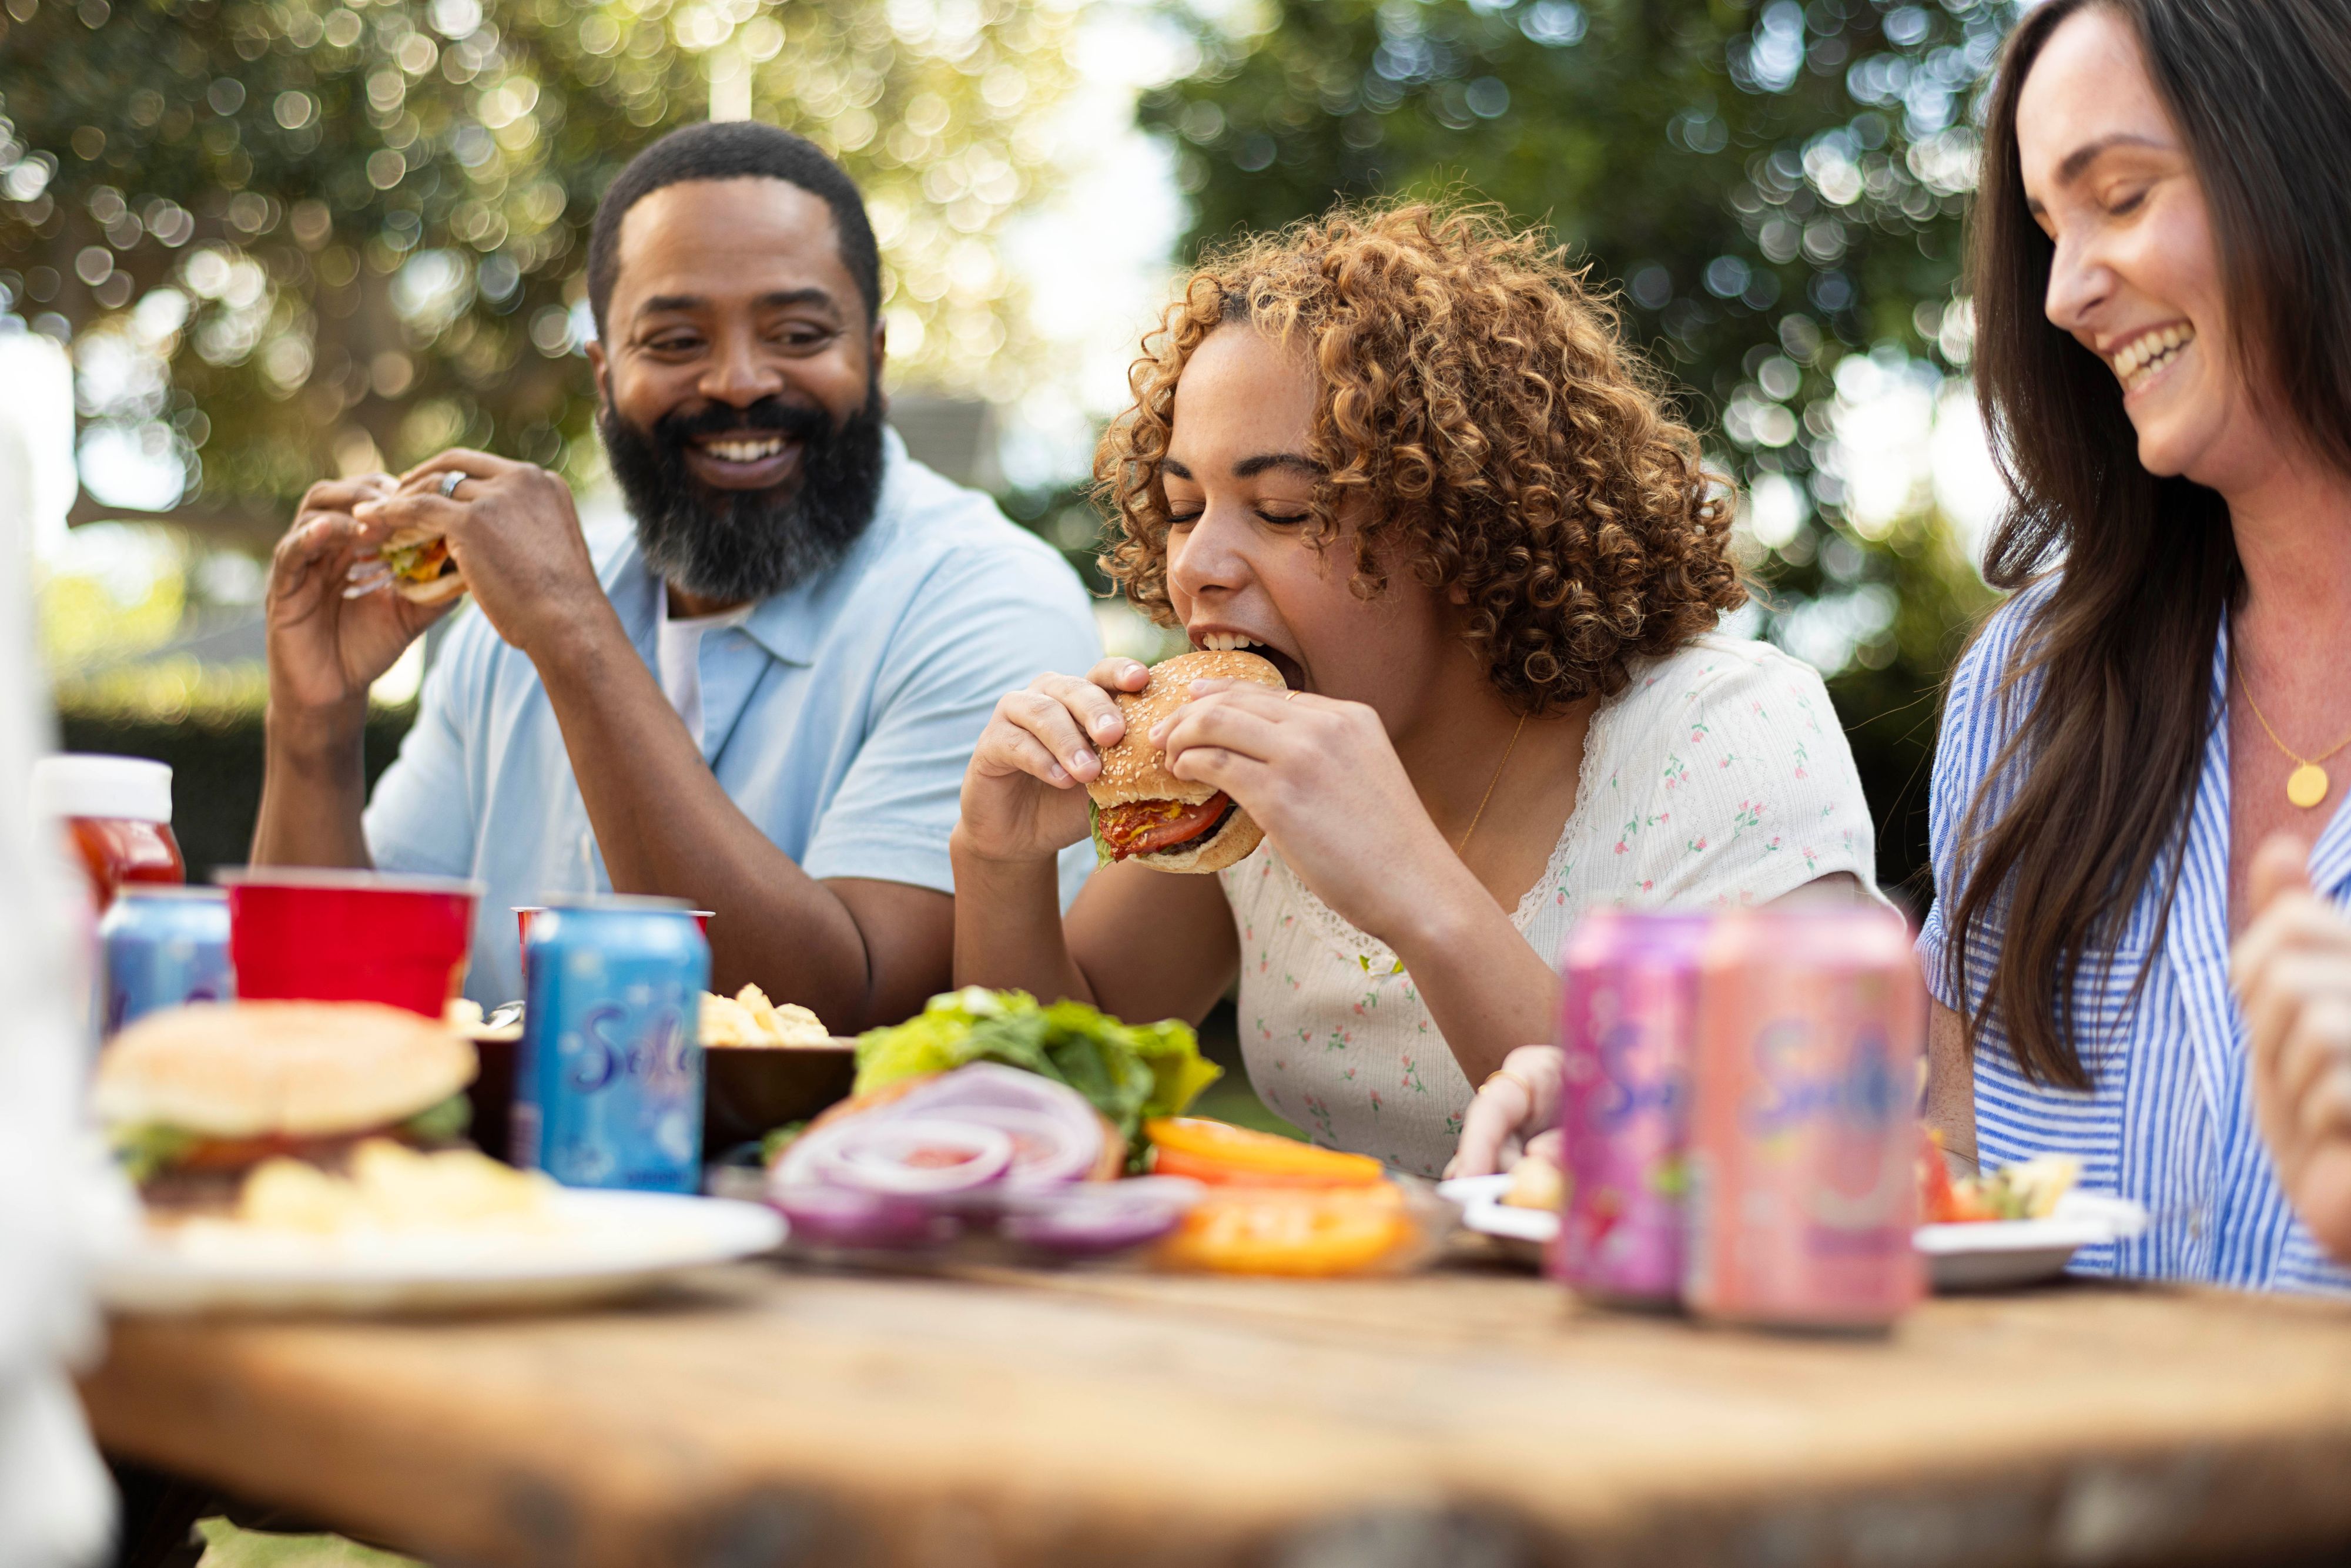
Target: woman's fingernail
x=1083, y=759
x=1055, y=773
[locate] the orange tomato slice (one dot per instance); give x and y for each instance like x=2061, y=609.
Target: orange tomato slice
x=1222, y=1154
x=1300, y=1232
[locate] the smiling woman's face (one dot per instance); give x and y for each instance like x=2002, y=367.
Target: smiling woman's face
x=1238, y=484
x=2136, y=274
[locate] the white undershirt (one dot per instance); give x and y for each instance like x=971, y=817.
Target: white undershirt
x=679, y=649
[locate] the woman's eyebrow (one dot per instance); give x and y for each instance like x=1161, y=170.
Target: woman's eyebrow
x=1250, y=467
x=2079, y=160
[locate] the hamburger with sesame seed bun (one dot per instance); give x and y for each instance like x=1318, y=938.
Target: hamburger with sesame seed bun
x=1144, y=813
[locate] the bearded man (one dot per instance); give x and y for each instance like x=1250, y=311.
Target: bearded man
x=763, y=701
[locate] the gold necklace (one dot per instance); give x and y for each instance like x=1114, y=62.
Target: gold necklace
x=1462, y=849
x=2307, y=785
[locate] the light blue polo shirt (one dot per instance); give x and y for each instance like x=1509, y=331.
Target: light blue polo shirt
x=839, y=716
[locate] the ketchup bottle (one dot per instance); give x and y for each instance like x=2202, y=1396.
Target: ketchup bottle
x=117, y=810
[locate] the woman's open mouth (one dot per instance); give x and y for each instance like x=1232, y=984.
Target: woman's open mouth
x=1293, y=674
x=743, y=460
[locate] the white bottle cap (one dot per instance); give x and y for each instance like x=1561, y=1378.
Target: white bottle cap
x=131, y=789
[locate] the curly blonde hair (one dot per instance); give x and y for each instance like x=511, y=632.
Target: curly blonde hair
x=1474, y=401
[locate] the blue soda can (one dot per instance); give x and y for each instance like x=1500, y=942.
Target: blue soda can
x=164, y=946
x=608, y=1088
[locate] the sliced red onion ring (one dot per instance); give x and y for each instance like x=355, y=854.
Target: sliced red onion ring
x=841, y=1217
x=914, y=1156
x=1053, y=1129
x=1090, y=1218
x=1046, y=1149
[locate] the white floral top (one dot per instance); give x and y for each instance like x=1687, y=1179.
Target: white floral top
x=1719, y=777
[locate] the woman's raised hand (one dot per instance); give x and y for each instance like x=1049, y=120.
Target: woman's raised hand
x=2293, y=974
x=1024, y=794
x=1320, y=777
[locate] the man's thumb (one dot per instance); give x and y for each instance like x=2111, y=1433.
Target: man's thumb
x=2281, y=865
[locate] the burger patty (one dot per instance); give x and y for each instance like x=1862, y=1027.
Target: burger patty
x=1147, y=827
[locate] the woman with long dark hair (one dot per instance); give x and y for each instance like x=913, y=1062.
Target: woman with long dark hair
x=2162, y=282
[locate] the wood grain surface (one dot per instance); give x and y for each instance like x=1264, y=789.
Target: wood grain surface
x=1468, y=1418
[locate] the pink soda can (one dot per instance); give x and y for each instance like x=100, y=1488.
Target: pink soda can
x=1804, y=1124
x=1628, y=1003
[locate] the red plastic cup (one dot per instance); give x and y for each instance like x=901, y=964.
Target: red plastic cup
x=298, y=935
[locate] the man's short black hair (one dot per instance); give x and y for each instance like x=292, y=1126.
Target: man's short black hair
x=734, y=150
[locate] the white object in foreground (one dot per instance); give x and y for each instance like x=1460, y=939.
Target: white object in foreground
x=601, y=1246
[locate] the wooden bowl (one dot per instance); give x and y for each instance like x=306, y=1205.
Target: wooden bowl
x=748, y=1090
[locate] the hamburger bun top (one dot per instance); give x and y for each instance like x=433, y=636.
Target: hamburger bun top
x=1134, y=769
x=298, y=1069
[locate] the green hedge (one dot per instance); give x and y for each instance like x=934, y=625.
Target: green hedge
x=215, y=771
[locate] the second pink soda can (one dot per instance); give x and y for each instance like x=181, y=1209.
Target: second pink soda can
x=1803, y=1129
x=1628, y=1001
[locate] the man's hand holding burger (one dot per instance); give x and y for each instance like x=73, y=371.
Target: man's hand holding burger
x=515, y=534
x=328, y=644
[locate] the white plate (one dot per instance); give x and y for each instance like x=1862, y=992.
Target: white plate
x=1522, y=1233
x=601, y=1245
x=2001, y=1254
x=1989, y=1255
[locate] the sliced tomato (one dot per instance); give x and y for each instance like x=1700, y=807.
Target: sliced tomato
x=1222, y=1154
x=1144, y=826
x=1289, y=1231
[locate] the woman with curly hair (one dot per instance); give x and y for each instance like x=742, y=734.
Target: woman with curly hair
x=1400, y=454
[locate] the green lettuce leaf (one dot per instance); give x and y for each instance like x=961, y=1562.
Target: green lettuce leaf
x=1093, y=828
x=147, y=1149
x=443, y=1123
x=1129, y=1072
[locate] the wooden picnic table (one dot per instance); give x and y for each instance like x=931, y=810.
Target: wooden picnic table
x=1470, y=1419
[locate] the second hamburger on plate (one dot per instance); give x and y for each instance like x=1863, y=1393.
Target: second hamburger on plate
x=1143, y=812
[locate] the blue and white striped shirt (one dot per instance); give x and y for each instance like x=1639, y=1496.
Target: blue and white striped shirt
x=2168, y=1120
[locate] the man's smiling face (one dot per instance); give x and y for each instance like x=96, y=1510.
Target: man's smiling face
x=740, y=371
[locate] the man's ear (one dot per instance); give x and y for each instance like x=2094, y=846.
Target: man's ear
x=601, y=368
x=880, y=347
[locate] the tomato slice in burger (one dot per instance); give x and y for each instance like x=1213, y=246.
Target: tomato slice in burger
x=1222, y=1154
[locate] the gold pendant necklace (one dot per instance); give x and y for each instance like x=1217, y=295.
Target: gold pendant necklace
x=2307, y=785
x=1462, y=850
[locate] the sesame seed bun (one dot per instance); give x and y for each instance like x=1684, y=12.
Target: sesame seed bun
x=296, y=1070
x=1134, y=769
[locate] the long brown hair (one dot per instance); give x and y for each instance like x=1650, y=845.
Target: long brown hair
x=2106, y=759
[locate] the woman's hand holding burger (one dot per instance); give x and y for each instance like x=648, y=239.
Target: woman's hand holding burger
x=1024, y=795
x=1323, y=780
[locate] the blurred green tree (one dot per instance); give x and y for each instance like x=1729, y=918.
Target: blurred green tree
x=1774, y=189
x=288, y=237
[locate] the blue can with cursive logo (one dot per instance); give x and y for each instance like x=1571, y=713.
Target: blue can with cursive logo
x=608, y=1088
x=164, y=946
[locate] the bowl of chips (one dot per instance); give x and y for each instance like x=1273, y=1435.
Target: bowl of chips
x=765, y=1067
